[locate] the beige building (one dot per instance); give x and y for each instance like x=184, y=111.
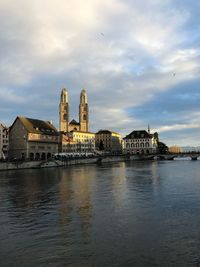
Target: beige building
x=32, y=139
x=3, y=141
x=66, y=144
x=108, y=141
x=78, y=142
x=65, y=124
x=175, y=149
x=140, y=142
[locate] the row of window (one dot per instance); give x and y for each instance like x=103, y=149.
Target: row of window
x=137, y=140
x=128, y=145
x=5, y=141
x=77, y=150
x=78, y=145
x=41, y=147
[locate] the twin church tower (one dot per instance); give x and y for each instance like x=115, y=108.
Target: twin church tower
x=65, y=124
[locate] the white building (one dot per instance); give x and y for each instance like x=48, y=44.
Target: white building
x=140, y=142
x=78, y=142
x=3, y=141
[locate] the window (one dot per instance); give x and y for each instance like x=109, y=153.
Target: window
x=146, y=144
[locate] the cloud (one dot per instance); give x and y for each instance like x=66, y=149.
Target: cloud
x=128, y=54
x=177, y=127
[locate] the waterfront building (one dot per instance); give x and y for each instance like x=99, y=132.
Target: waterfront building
x=3, y=141
x=190, y=149
x=78, y=142
x=108, y=141
x=32, y=139
x=140, y=142
x=65, y=124
x=66, y=144
x=175, y=149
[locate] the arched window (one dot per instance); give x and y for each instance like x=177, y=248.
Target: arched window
x=84, y=117
x=146, y=144
x=43, y=156
x=127, y=145
x=142, y=144
x=132, y=145
x=37, y=156
x=137, y=144
x=31, y=156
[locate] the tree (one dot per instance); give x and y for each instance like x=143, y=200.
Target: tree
x=162, y=148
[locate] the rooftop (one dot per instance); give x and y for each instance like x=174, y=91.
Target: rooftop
x=106, y=132
x=138, y=134
x=74, y=122
x=38, y=126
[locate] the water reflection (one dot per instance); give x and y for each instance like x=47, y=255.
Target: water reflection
x=30, y=191
x=120, y=214
x=75, y=198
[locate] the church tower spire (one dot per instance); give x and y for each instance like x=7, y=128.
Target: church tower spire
x=84, y=112
x=64, y=111
x=149, y=128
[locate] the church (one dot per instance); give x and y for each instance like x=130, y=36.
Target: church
x=65, y=124
x=75, y=136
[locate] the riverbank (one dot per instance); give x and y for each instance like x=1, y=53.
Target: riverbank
x=17, y=165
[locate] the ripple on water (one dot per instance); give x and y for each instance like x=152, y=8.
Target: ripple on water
x=120, y=214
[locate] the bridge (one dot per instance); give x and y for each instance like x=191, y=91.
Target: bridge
x=193, y=156
x=169, y=156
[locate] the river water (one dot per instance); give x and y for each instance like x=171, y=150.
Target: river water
x=120, y=214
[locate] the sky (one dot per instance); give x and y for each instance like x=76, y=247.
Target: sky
x=139, y=61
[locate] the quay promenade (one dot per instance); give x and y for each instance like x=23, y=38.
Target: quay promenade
x=63, y=161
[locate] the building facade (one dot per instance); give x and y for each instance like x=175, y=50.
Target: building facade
x=140, y=142
x=175, y=149
x=108, y=141
x=32, y=139
x=78, y=142
x=65, y=124
x=3, y=141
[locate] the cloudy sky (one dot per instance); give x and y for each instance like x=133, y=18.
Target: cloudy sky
x=138, y=59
